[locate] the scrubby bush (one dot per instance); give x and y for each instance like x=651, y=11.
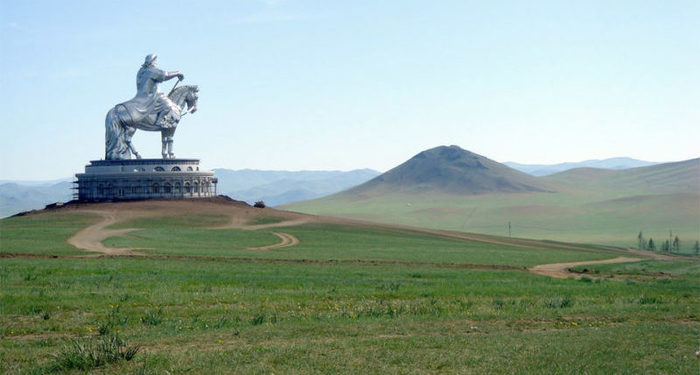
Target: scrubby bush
x=259, y=204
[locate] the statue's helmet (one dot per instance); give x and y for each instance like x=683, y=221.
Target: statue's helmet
x=150, y=59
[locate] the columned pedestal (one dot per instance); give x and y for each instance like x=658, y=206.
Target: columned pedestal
x=109, y=180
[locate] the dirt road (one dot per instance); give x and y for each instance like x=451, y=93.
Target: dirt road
x=286, y=241
x=90, y=238
x=561, y=270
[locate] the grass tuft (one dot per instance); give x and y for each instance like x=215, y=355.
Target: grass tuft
x=152, y=317
x=86, y=355
x=258, y=319
x=558, y=302
x=648, y=300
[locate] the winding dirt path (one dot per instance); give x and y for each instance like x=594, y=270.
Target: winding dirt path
x=286, y=240
x=561, y=270
x=91, y=237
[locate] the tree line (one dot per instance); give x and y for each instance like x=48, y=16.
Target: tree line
x=668, y=246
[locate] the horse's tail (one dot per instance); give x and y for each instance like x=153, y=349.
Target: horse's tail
x=115, y=147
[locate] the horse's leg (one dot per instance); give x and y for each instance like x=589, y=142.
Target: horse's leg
x=164, y=141
x=130, y=133
x=171, y=133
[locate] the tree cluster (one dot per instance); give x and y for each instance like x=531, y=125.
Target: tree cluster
x=668, y=246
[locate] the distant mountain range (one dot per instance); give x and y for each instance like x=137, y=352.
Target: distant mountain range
x=547, y=169
x=16, y=198
x=272, y=187
x=282, y=187
x=443, y=169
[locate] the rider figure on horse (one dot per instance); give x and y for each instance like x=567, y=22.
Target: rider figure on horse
x=149, y=99
x=149, y=110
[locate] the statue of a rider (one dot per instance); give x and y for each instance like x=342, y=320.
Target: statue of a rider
x=149, y=99
x=149, y=110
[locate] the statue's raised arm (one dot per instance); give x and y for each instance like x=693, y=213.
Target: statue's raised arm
x=149, y=110
x=149, y=76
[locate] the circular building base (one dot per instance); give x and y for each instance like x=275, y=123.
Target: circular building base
x=109, y=180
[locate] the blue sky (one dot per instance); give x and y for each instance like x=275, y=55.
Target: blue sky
x=293, y=85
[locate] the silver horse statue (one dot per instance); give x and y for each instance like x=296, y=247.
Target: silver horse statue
x=149, y=110
x=120, y=125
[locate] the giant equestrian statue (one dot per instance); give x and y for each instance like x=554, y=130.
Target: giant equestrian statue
x=149, y=110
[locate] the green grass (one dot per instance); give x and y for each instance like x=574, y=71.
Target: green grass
x=209, y=314
x=42, y=234
x=596, y=216
x=679, y=267
x=261, y=220
x=174, y=222
x=342, y=242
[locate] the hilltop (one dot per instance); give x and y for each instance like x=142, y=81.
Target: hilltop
x=451, y=170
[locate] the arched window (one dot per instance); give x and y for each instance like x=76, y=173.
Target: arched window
x=188, y=188
x=134, y=190
x=167, y=188
x=195, y=187
x=177, y=188
x=154, y=188
x=189, y=169
x=159, y=169
x=175, y=169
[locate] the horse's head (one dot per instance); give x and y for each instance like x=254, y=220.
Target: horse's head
x=191, y=99
x=187, y=94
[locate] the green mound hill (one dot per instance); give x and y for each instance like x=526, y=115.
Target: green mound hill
x=452, y=170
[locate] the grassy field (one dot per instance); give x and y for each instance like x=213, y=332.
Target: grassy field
x=604, y=218
x=321, y=241
x=201, y=303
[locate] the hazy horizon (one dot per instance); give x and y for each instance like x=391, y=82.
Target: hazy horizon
x=61, y=179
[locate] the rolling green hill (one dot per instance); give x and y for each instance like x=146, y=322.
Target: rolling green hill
x=471, y=193
x=678, y=177
x=450, y=170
